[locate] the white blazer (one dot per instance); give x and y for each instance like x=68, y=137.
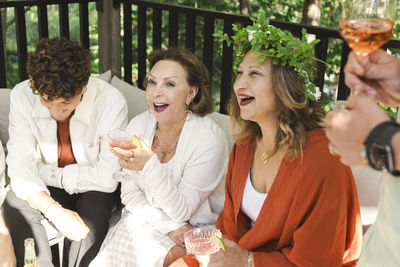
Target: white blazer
x=32, y=146
x=167, y=199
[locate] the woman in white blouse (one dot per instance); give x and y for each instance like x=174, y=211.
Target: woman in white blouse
x=176, y=175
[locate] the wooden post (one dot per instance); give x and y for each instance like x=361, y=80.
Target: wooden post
x=109, y=38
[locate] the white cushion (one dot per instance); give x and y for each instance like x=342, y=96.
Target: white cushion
x=105, y=76
x=134, y=96
x=369, y=187
x=4, y=110
x=224, y=122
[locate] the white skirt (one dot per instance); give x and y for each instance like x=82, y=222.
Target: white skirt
x=131, y=244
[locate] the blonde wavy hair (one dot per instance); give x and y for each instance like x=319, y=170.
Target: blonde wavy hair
x=296, y=115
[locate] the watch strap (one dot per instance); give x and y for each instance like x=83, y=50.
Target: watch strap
x=382, y=135
x=385, y=140
x=377, y=131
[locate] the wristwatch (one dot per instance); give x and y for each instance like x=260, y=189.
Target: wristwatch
x=379, y=152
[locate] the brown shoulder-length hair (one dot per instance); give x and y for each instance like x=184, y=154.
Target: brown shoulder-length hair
x=295, y=113
x=197, y=75
x=59, y=68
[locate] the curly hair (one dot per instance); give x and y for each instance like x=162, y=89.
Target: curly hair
x=295, y=113
x=197, y=75
x=59, y=68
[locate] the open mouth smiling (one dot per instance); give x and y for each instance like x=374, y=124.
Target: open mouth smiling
x=245, y=99
x=160, y=107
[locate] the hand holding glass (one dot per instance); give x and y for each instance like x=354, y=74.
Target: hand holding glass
x=122, y=139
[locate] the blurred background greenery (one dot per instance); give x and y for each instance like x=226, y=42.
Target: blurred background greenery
x=324, y=13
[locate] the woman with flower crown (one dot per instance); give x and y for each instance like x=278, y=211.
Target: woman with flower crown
x=288, y=201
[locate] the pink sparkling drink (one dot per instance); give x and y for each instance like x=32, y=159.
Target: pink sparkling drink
x=197, y=242
x=121, y=138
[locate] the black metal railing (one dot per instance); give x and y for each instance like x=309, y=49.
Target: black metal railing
x=152, y=18
x=43, y=28
x=210, y=19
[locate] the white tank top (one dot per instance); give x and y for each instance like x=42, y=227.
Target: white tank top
x=252, y=201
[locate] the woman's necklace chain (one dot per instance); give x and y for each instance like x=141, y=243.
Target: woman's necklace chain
x=267, y=154
x=170, y=149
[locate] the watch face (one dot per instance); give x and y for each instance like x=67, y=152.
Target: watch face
x=378, y=155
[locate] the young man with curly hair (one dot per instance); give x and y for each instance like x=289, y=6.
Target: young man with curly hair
x=58, y=159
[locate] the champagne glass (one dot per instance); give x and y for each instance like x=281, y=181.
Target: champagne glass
x=122, y=139
x=367, y=24
x=198, y=242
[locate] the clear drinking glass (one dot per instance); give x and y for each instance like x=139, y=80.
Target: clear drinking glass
x=121, y=138
x=338, y=105
x=197, y=242
x=367, y=24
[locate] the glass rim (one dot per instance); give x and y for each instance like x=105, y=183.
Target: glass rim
x=202, y=229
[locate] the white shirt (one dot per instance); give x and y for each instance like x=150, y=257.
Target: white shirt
x=32, y=148
x=168, y=198
x=382, y=240
x=2, y=174
x=252, y=200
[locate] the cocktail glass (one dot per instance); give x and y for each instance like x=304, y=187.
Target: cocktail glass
x=121, y=138
x=197, y=242
x=367, y=24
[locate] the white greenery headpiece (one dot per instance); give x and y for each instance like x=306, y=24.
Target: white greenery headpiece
x=279, y=45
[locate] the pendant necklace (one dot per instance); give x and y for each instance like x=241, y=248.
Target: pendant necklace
x=267, y=154
x=171, y=148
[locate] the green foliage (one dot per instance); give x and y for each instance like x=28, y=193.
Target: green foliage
x=32, y=35
x=272, y=42
x=220, y=5
x=284, y=10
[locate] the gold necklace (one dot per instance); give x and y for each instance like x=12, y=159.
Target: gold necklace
x=267, y=154
x=157, y=144
x=166, y=152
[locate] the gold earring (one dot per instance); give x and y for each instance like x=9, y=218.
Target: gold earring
x=188, y=115
x=150, y=110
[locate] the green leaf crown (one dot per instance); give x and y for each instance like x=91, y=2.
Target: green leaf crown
x=284, y=49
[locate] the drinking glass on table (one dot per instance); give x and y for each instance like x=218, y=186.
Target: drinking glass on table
x=122, y=139
x=198, y=242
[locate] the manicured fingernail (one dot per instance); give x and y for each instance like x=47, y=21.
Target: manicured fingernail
x=371, y=92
